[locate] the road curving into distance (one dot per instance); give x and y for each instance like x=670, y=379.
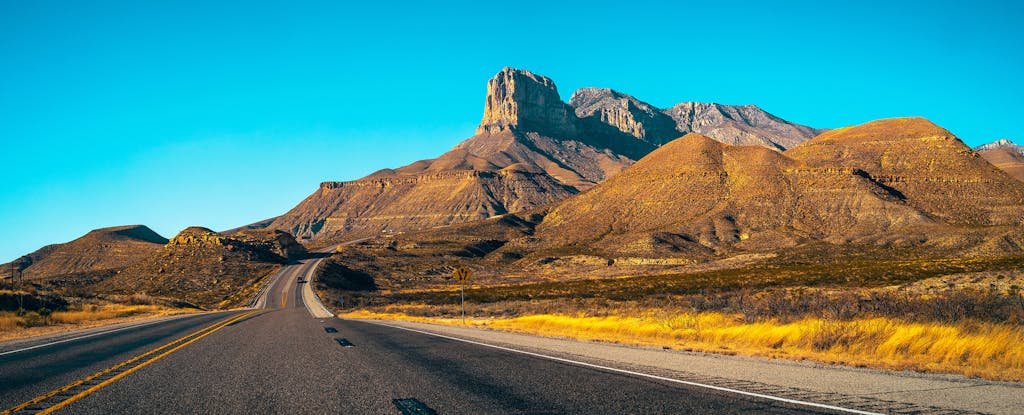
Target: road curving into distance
x=288, y=355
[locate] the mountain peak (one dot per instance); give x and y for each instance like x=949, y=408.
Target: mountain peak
x=739, y=125
x=604, y=106
x=1001, y=143
x=519, y=99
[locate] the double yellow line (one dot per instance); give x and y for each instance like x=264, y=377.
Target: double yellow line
x=163, y=351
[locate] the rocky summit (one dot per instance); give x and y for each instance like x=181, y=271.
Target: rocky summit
x=518, y=99
x=530, y=149
x=1006, y=155
x=601, y=108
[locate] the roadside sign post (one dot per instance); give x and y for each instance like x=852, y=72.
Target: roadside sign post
x=462, y=275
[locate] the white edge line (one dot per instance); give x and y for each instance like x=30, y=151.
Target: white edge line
x=629, y=372
x=148, y=323
x=309, y=288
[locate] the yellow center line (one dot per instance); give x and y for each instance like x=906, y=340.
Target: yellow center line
x=284, y=299
x=196, y=335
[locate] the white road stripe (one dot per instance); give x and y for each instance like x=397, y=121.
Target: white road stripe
x=629, y=372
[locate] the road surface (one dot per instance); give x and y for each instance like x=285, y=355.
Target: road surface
x=279, y=358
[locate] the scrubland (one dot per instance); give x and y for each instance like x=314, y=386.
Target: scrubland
x=32, y=313
x=897, y=317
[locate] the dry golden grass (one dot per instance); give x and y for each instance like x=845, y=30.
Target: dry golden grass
x=14, y=326
x=105, y=312
x=979, y=349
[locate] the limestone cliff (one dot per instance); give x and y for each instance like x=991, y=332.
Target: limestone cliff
x=518, y=99
x=739, y=125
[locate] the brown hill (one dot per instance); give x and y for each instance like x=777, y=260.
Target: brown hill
x=526, y=153
x=698, y=197
x=205, y=268
x=1005, y=155
x=97, y=253
x=926, y=165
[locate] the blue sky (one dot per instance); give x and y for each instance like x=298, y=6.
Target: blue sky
x=188, y=113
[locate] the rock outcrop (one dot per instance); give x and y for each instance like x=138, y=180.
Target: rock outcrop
x=625, y=113
x=602, y=110
x=518, y=99
x=739, y=125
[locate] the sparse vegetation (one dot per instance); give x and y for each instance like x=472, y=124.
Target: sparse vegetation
x=31, y=311
x=798, y=314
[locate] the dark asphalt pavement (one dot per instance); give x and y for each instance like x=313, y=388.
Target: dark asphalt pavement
x=283, y=361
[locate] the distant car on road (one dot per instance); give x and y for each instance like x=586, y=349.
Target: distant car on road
x=301, y=280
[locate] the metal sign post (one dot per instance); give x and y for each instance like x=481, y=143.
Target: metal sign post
x=462, y=274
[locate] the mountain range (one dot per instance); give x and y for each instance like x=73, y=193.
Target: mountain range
x=608, y=177
x=530, y=149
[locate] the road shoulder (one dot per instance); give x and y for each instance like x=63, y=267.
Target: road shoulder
x=867, y=389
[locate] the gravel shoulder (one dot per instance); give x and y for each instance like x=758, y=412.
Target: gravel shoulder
x=865, y=389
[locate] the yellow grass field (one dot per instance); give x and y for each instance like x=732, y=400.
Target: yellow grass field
x=977, y=349
x=14, y=326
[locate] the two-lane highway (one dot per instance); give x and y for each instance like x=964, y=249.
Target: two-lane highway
x=282, y=359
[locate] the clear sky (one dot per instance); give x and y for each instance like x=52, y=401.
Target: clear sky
x=190, y=113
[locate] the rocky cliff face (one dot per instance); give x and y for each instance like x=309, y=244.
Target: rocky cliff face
x=739, y=125
x=518, y=99
x=625, y=113
x=601, y=110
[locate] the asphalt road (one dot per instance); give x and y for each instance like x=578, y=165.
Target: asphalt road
x=283, y=360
